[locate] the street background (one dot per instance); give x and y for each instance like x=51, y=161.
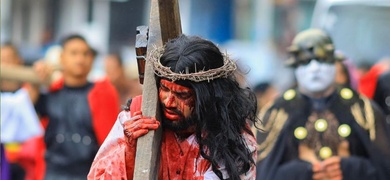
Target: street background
x=254, y=32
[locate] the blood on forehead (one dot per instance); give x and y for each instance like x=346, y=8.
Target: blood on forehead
x=175, y=87
x=184, y=95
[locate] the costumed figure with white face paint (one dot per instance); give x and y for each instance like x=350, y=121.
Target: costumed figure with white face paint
x=320, y=131
x=205, y=119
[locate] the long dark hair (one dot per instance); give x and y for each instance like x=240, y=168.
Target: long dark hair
x=222, y=109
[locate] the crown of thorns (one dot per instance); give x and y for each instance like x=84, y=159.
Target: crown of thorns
x=228, y=67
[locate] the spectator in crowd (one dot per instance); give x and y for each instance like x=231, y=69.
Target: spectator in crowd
x=346, y=73
x=265, y=93
x=20, y=126
x=126, y=86
x=382, y=94
x=374, y=84
x=80, y=113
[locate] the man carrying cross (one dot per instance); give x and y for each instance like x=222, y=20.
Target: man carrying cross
x=205, y=116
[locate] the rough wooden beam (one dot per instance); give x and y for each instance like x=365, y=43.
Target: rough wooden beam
x=169, y=19
x=162, y=27
x=146, y=161
x=19, y=73
x=26, y=74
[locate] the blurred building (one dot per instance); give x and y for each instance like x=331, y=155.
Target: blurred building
x=255, y=32
x=360, y=29
x=33, y=25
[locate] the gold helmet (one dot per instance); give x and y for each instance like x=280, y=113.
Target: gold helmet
x=311, y=44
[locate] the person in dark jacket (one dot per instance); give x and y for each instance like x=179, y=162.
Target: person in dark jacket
x=320, y=131
x=80, y=113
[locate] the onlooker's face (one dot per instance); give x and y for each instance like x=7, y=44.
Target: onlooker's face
x=267, y=96
x=113, y=69
x=9, y=56
x=315, y=77
x=341, y=75
x=76, y=58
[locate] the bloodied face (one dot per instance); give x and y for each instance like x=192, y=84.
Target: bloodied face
x=177, y=103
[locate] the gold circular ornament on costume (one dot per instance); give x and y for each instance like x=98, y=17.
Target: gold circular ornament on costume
x=325, y=152
x=289, y=94
x=320, y=125
x=346, y=93
x=344, y=130
x=300, y=133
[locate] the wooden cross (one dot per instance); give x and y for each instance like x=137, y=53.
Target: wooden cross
x=164, y=24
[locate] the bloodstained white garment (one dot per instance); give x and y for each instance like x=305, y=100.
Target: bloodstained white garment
x=179, y=159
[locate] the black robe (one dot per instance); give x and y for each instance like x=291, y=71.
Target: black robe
x=369, y=158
